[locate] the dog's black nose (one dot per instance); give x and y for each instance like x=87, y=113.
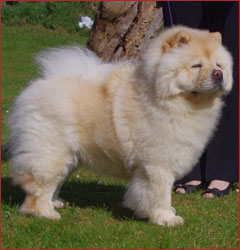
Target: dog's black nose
x=217, y=75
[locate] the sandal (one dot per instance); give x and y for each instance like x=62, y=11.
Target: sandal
x=187, y=188
x=216, y=192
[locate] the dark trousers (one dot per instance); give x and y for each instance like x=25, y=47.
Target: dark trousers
x=220, y=161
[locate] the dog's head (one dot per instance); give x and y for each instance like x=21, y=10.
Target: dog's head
x=182, y=60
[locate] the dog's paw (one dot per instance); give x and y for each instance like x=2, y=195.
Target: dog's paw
x=174, y=221
x=50, y=214
x=58, y=203
x=54, y=215
x=166, y=217
x=47, y=213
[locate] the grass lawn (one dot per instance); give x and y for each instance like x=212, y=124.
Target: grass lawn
x=93, y=217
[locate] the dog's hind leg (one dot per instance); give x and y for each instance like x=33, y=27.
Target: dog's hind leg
x=39, y=204
x=40, y=180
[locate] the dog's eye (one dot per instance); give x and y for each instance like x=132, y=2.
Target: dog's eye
x=219, y=65
x=199, y=65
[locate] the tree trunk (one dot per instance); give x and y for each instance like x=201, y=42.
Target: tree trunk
x=124, y=29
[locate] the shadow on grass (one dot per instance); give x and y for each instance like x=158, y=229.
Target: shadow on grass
x=80, y=194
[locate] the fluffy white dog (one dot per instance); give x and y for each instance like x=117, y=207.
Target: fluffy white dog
x=148, y=123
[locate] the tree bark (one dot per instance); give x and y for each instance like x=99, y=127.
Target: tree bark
x=124, y=29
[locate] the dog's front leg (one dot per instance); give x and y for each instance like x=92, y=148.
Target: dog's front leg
x=149, y=196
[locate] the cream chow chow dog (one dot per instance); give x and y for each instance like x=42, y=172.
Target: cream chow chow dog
x=148, y=123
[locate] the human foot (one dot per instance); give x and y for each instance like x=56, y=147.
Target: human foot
x=188, y=187
x=217, y=188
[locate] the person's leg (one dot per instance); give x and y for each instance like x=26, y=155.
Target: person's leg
x=222, y=154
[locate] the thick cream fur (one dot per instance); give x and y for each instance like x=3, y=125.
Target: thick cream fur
x=144, y=122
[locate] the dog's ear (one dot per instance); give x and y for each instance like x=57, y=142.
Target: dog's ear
x=217, y=36
x=181, y=37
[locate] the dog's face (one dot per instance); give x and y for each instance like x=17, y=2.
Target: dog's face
x=191, y=61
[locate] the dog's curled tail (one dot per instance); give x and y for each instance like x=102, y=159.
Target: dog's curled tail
x=72, y=61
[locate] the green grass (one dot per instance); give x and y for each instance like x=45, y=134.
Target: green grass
x=50, y=14
x=93, y=217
